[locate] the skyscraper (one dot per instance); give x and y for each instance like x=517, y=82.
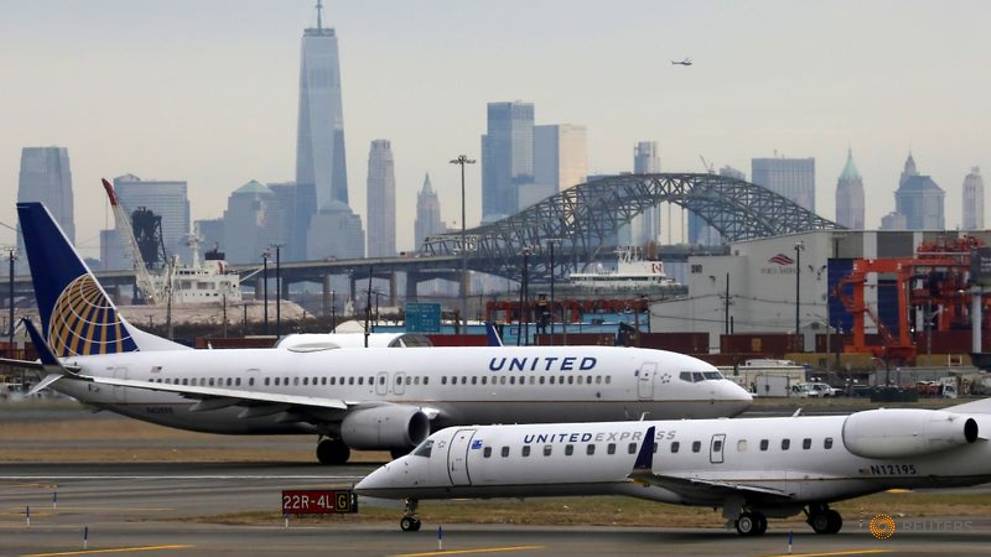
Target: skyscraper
x=919, y=199
x=381, y=192
x=167, y=199
x=428, y=221
x=850, y=196
x=646, y=227
x=335, y=232
x=560, y=155
x=908, y=170
x=560, y=160
x=320, y=157
x=45, y=177
x=507, y=157
x=247, y=224
x=973, y=200
x=791, y=178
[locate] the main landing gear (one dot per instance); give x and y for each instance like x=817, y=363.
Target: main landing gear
x=409, y=522
x=824, y=520
x=332, y=451
x=751, y=523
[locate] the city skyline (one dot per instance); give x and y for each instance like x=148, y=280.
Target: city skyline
x=239, y=122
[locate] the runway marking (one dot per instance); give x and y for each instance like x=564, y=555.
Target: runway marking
x=111, y=550
x=505, y=549
x=836, y=553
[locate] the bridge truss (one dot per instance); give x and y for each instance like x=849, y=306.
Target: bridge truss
x=585, y=217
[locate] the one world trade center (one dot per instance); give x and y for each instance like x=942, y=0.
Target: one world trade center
x=320, y=160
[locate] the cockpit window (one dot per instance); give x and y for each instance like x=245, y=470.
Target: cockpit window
x=424, y=448
x=685, y=376
x=697, y=376
x=712, y=375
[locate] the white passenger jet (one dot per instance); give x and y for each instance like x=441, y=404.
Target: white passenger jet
x=753, y=468
x=362, y=398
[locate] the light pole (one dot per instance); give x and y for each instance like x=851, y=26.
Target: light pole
x=333, y=311
x=265, y=256
x=799, y=247
x=525, y=291
x=278, y=289
x=550, y=244
x=461, y=161
x=11, y=300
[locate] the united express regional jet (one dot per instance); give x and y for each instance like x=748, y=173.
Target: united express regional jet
x=360, y=398
x=754, y=468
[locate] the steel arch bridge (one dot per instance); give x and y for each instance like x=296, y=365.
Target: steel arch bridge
x=583, y=218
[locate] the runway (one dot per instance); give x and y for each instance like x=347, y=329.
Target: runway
x=186, y=509
x=170, y=538
x=139, y=489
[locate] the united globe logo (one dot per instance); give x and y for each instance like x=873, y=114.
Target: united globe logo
x=84, y=322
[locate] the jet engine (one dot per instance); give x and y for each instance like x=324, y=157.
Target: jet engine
x=385, y=427
x=905, y=432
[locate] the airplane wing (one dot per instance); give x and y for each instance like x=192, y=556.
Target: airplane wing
x=234, y=396
x=255, y=403
x=982, y=406
x=679, y=484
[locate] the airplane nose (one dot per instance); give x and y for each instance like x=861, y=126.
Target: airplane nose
x=741, y=397
x=378, y=479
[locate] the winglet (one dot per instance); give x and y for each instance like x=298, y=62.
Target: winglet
x=492, y=334
x=645, y=458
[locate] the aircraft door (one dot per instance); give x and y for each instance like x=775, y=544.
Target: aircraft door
x=645, y=380
x=382, y=383
x=717, y=446
x=120, y=393
x=457, y=457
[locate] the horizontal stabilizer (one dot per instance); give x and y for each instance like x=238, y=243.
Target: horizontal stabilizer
x=45, y=353
x=45, y=383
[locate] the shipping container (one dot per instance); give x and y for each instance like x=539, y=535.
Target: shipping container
x=684, y=343
x=772, y=345
x=262, y=341
x=459, y=340
x=577, y=339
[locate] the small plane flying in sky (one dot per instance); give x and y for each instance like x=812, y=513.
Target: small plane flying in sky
x=364, y=398
x=685, y=62
x=754, y=468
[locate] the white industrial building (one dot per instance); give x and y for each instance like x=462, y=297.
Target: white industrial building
x=762, y=278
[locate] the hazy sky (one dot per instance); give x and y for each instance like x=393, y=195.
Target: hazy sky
x=206, y=91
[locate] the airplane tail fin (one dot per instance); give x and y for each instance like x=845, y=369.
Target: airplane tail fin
x=77, y=316
x=492, y=334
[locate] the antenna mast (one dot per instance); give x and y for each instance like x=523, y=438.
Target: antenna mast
x=319, y=14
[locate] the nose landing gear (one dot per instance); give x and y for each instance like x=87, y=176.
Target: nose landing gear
x=409, y=522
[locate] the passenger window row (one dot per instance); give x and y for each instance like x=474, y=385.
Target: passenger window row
x=527, y=379
x=741, y=445
x=569, y=450
x=287, y=381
